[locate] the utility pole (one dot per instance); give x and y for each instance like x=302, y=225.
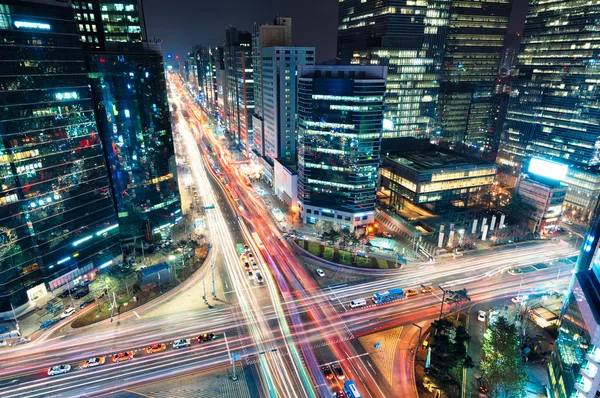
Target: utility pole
x=443, y=300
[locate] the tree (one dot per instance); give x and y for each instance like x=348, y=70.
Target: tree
x=501, y=365
x=457, y=297
x=124, y=275
x=519, y=210
x=102, y=286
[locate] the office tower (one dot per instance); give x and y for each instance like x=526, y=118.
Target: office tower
x=340, y=111
x=57, y=219
x=278, y=34
x=220, y=86
x=192, y=78
x=237, y=52
x=133, y=117
x=101, y=21
x=573, y=370
x=474, y=48
x=279, y=67
x=130, y=93
x=552, y=111
x=204, y=75
x=408, y=37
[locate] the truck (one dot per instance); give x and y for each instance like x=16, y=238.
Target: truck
x=388, y=295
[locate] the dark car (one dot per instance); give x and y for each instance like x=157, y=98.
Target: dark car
x=339, y=372
x=327, y=372
x=206, y=337
x=340, y=394
x=86, y=303
x=47, y=324
x=66, y=292
x=81, y=293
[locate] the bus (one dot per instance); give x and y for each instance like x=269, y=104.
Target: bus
x=350, y=390
x=240, y=249
x=388, y=295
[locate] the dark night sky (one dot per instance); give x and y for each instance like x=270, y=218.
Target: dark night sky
x=184, y=23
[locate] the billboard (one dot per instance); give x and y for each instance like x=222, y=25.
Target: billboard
x=545, y=168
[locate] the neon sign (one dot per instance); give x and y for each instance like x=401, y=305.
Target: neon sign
x=32, y=25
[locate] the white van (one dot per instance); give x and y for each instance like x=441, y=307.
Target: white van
x=358, y=303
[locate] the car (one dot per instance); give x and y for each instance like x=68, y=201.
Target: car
x=260, y=278
x=340, y=394
x=358, y=303
x=254, y=265
x=123, y=356
x=568, y=222
x=338, y=371
x=85, y=283
x=411, y=292
x=22, y=340
x=156, y=348
x=320, y=272
x=247, y=248
x=206, y=337
x=93, y=362
x=48, y=323
x=250, y=256
x=67, y=312
x=3, y=343
x=181, y=343
x=327, y=372
x=516, y=299
x=86, y=303
x=481, y=316
x=427, y=289
x=67, y=292
x=250, y=275
x=247, y=266
x=82, y=293
x=387, y=235
x=59, y=369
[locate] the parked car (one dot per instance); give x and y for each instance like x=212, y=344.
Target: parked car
x=320, y=272
x=481, y=316
x=22, y=340
x=49, y=323
x=67, y=312
x=81, y=293
x=66, y=292
x=86, y=303
x=260, y=278
x=250, y=275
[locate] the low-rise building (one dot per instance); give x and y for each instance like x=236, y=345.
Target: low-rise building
x=434, y=179
x=546, y=197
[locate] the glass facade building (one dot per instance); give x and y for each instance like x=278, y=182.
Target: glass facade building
x=57, y=217
x=340, y=111
x=472, y=60
x=553, y=110
x=134, y=121
x=406, y=36
x=237, y=53
x=113, y=21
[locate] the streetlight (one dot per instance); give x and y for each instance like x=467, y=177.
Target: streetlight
x=443, y=299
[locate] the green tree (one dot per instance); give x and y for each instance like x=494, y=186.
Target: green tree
x=458, y=297
x=501, y=365
x=124, y=276
x=519, y=210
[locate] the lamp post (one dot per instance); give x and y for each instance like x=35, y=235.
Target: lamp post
x=443, y=300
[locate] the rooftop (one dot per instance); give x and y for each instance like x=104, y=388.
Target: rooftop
x=430, y=160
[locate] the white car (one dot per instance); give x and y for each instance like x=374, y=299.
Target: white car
x=59, y=369
x=92, y=362
x=481, y=316
x=181, y=343
x=254, y=265
x=250, y=275
x=320, y=272
x=67, y=312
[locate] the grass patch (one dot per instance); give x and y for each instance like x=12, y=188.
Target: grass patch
x=328, y=253
x=314, y=248
x=363, y=262
x=383, y=264
x=345, y=257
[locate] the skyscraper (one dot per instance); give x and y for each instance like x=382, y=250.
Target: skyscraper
x=278, y=34
x=573, y=369
x=408, y=37
x=57, y=218
x=130, y=93
x=552, y=111
x=133, y=117
x=340, y=111
x=102, y=21
x=237, y=52
x=472, y=57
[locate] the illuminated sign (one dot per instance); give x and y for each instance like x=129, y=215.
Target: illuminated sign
x=62, y=96
x=32, y=25
x=544, y=168
x=107, y=229
x=388, y=124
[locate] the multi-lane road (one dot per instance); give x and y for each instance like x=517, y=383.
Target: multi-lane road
x=282, y=330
